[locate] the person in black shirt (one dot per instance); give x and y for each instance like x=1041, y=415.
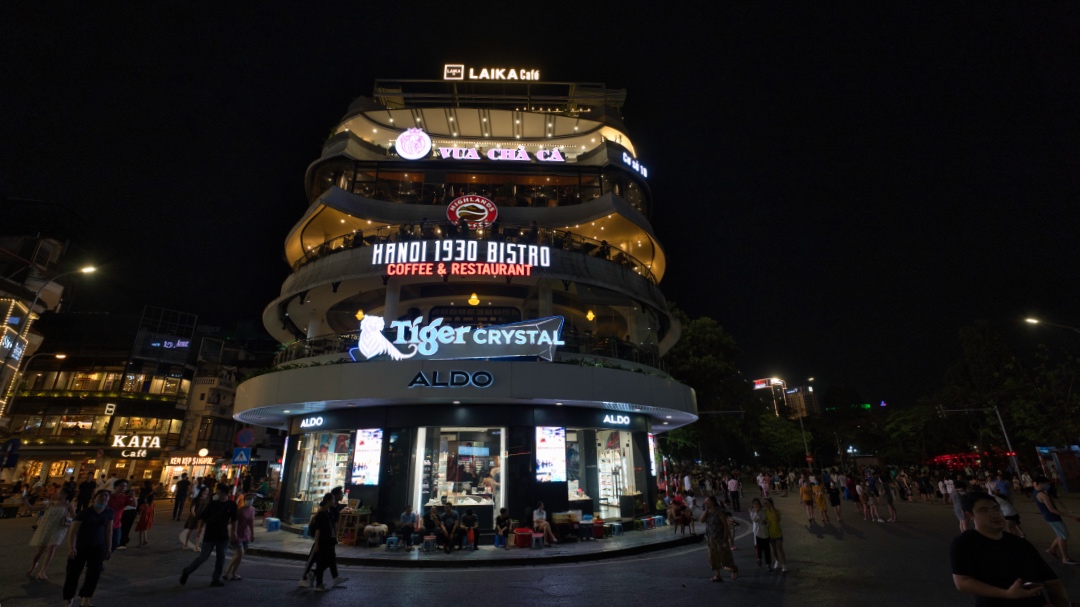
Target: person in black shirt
x=450, y=528
x=999, y=568
x=324, y=532
x=470, y=524
x=89, y=543
x=503, y=525
x=86, y=493
x=182, y=487
x=219, y=520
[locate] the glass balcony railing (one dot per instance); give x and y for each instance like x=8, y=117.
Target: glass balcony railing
x=558, y=239
x=578, y=349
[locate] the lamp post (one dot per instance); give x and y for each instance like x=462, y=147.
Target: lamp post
x=37, y=295
x=1036, y=321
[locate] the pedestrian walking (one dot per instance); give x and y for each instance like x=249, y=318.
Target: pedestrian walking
x=86, y=493
x=118, y=501
x=191, y=526
x=51, y=531
x=760, y=526
x=89, y=544
x=718, y=538
x=325, y=545
x=245, y=534
x=1054, y=514
x=183, y=486
x=806, y=496
x=776, y=536
x=834, y=501
x=959, y=489
x=218, y=523
x=145, y=520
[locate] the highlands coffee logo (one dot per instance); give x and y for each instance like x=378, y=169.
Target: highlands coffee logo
x=532, y=338
x=477, y=210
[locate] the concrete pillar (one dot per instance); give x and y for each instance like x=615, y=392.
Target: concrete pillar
x=390, y=307
x=316, y=325
x=544, y=293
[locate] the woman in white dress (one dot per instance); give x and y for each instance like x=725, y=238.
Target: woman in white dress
x=51, y=531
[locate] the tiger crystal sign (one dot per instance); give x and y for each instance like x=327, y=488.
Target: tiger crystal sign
x=436, y=341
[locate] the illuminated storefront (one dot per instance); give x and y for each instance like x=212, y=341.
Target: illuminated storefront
x=473, y=316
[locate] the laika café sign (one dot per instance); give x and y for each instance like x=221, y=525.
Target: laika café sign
x=458, y=71
x=459, y=258
x=435, y=341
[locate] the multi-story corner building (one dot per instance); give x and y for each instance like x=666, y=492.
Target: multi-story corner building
x=108, y=396
x=802, y=401
x=474, y=313
x=34, y=236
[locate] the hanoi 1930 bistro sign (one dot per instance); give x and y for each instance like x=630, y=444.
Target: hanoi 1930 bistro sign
x=435, y=341
x=460, y=258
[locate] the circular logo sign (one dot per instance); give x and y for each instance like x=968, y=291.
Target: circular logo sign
x=477, y=210
x=413, y=144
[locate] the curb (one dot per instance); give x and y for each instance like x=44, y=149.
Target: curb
x=687, y=540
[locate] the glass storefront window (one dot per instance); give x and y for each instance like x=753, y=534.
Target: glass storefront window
x=112, y=382
x=323, y=460
x=133, y=382
x=615, y=464
x=462, y=467
x=76, y=425
x=50, y=426
x=86, y=381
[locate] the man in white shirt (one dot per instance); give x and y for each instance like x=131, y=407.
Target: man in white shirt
x=733, y=492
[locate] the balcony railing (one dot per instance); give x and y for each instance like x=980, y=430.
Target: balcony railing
x=557, y=239
x=578, y=347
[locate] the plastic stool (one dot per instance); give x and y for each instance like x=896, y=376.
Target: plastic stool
x=538, y=540
x=650, y=523
x=499, y=541
x=304, y=531
x=586, y=532
x=607, y=530
x=639, y=525
x=616, y=528
x=659, y=521
x=273, y=524
x=416, y=539
x=393, y=543
x=430, y=545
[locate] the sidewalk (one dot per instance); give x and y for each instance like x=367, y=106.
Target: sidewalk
x=288, y=545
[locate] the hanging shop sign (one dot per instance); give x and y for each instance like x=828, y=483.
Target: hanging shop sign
x=460, y=258
x=458, y=71
x=531, y=338
x=134, y=441
x=478, y=211
x=502, y=154
x=191, y=461
x=634, y=164
x=454, y=379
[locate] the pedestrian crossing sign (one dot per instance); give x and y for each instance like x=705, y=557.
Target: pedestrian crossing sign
x=241, y=456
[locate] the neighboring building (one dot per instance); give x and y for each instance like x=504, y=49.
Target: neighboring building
x=473, y=314
x=802, y=401
x=34, y=236
x=115, y=402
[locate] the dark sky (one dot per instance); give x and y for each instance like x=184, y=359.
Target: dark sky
x=841, y=189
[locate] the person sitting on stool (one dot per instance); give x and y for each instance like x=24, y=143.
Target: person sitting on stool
x=408, y=524
x=541, y=525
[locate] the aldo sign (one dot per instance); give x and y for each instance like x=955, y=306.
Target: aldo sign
x=311, y=422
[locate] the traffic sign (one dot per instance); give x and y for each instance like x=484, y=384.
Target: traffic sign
x=241, y=456
x=245, y=437
x=809, y=458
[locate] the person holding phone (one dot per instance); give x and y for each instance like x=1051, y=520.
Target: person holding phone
x=993, y=565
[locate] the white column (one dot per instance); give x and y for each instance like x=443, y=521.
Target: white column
x=544, y=293
x=390, y=307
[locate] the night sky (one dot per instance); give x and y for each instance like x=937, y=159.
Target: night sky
x=841, y=189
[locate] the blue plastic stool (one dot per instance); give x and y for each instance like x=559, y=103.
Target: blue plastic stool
x=416, y=539
x=538, y=540
x=430, y=544
x=273, y=524
x=616, y=529
x=393, y=543
x=499, y=541
x=305, y=531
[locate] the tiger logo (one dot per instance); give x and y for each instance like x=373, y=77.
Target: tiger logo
x=372, y=342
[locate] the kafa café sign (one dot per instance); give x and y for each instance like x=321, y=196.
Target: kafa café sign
x=435, y=341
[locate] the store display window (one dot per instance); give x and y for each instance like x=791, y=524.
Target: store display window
x=462, y=467
x=322, y=463
x=550, y=454
x=576, y=477
x=367, y=456
x=615, y=464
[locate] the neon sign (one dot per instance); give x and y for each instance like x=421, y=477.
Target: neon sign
x=450, y=251
x=532, y=338
x=133, y=453
x=501, y=154
x=413, y=144
x=634, y=164
x=135, y=441
x=478, y=211
x=191, y=461
x=457, y=71
x=618, y=420
x=457, y=379
x=311, y=422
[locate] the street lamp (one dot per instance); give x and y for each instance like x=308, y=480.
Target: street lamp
x=37, y=295
x=1036, y=321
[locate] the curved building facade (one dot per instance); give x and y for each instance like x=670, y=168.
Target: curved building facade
x=474, y=313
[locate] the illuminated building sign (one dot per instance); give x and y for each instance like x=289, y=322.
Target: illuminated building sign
x=634, y=164
x=500, y=154
x=459, y=258
x=135, y=441
x=413, y=144
x=130, y=453
x=458, y=71
x=191, y=461
x=531, y=338
x=761, y=384
x=618, y=420
x=171, y=344
x=478, y=211
x=311, y=422
x=456, y=379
